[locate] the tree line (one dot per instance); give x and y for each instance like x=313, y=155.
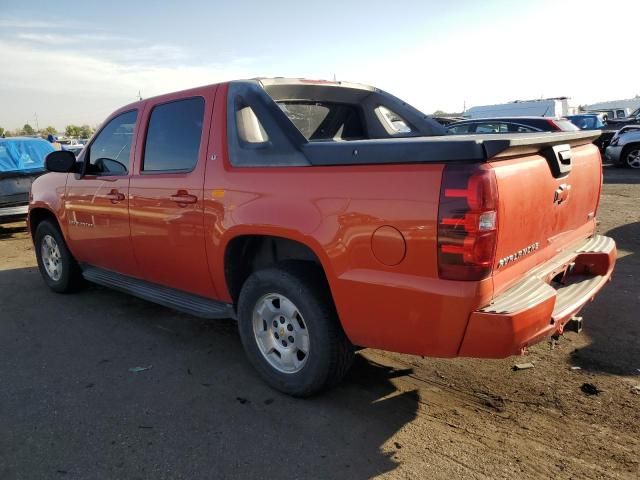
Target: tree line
x=75, y=131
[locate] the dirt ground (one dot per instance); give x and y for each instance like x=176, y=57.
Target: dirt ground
x=70, y=407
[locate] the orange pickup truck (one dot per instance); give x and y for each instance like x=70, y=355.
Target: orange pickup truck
x=328, y=215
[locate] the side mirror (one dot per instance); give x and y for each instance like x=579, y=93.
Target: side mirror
x=60, y=161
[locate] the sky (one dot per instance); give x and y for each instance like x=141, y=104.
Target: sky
x=75, y=62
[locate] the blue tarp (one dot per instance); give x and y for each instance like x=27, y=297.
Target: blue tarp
x=23, y=154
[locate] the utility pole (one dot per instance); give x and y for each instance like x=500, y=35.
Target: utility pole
x=37, y=126
x=139, y=95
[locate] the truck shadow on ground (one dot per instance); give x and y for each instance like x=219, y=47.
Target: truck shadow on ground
x=9, y=230
x=194, y=408
x=618, y=175
x=612, y=321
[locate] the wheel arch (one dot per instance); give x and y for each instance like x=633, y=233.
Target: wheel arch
x=246, y=252
x=625, y=151
x=37, y=215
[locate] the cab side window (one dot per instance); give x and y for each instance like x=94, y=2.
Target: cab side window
x=173, y=136
x=110, y=152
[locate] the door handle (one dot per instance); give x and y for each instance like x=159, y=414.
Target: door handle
x=114, y=195
x=182, y=197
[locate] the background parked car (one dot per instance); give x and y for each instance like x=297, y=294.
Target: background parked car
x=21, y=162
x=624, y=149
x=511, y=125
x=611, y=114
x=632, y=119
x=73, y=145
x=446, y=121
x=594, y=121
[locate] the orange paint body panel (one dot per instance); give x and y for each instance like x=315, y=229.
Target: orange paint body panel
x=167, y=233
x=373, y=228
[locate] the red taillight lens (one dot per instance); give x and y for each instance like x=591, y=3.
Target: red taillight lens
x=467, y=222
x=554, y=125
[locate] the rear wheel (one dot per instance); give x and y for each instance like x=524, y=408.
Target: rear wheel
x=57, y=266
x=631, y=156
x=290, y=330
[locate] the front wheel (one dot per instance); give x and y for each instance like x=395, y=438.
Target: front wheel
x=290, y=330
x=57, y=266
x=631, y=157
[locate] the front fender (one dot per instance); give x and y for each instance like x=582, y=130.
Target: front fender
x=47, y=193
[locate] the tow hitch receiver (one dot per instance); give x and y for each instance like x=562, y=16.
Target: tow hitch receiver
x=574, y=325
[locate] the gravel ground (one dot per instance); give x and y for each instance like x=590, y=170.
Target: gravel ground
x=70, y=408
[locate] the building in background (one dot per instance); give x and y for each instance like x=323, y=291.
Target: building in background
x=544, y=107
x=615, y=108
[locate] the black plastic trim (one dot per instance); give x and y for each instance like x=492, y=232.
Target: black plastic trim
x=168, y=297
x=288, y=147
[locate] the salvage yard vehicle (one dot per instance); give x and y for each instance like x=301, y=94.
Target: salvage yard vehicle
x=327, y=215
x=624, y=148
x=511, y=125
x=594, y=121
x=21, y=162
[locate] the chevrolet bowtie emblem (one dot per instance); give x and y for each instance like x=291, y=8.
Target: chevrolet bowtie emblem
x=561, y=194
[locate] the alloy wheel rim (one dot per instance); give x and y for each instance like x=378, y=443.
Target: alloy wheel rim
x=633, y=158
x=281, y=333
x=51, y=257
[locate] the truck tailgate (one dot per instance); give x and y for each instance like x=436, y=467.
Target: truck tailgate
x=543, y=211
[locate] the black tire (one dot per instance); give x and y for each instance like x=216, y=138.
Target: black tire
x=624, y=161
x=330, y=352
x=70, y=278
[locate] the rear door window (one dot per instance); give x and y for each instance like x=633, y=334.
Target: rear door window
x=517, y=128
x=492, y=127
x=459, y=129
x=173, y=136
x=110, y=152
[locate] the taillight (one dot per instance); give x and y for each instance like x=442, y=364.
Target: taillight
x=562, y=125
x=554, y=125
x=467, y=222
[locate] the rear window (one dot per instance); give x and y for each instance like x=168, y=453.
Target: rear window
x=587, y=122
x=324, y=120
x=565, y=125
x=173, y=136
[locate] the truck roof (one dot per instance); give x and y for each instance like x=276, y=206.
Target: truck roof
x=266, y=83
x=271, y=81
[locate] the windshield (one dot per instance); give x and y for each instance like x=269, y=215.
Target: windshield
x=23, y=155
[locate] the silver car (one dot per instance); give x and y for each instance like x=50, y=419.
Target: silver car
x=624, y=149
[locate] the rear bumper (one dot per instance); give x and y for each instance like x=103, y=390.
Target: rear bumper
x=14, y=213
x=541, y=304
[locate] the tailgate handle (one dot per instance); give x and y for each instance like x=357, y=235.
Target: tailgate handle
x=559, y=159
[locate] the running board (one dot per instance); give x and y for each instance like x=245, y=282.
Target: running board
x=168, y=297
